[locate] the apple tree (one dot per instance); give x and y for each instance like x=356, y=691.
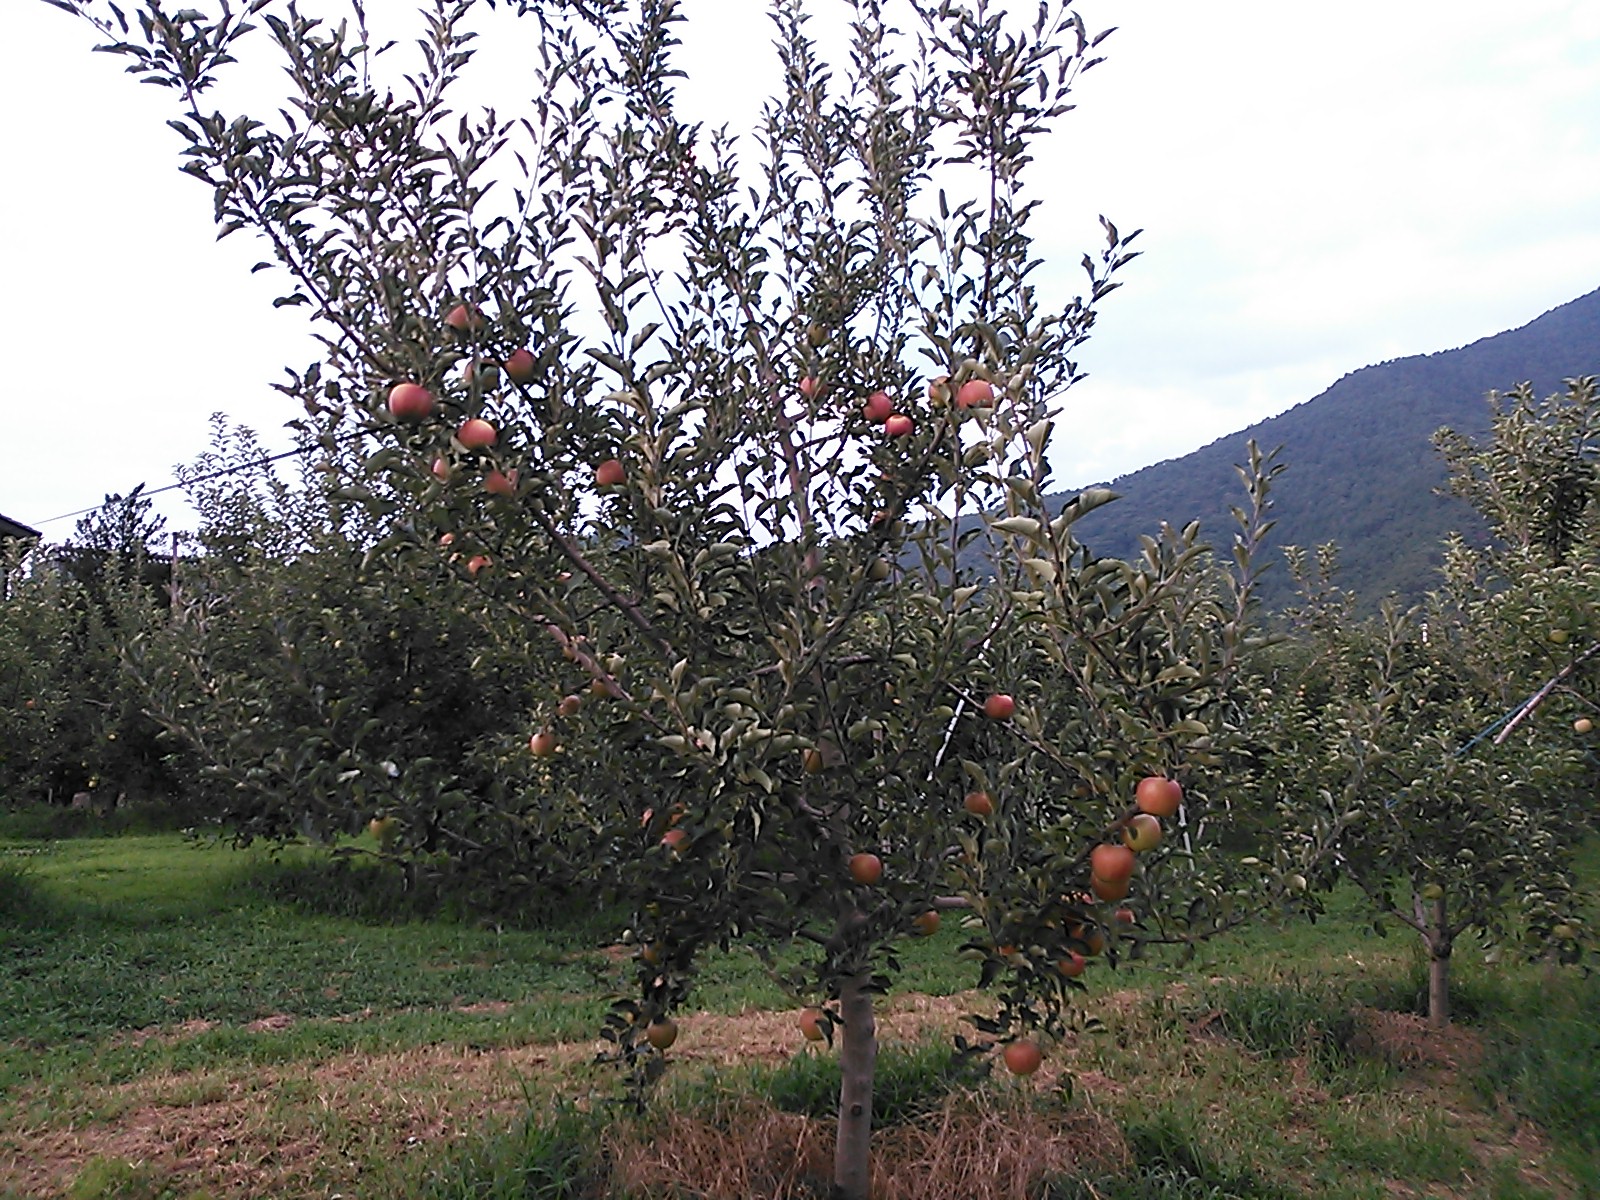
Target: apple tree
x=745, y=446
x=1390, y=764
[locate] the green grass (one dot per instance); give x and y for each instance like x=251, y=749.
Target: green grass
x=1274, y=1098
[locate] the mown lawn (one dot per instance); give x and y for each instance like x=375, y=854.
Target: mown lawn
x=175, y=1023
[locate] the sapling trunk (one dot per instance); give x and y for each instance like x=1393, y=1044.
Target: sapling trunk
x=858, y=1058
x=1439, y=946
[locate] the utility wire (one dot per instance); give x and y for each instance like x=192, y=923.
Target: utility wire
x=206, y=478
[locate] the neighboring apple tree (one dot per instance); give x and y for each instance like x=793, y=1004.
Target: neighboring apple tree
x=707, y=433
x=1413, y=753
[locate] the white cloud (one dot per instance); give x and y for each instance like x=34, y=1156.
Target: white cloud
x=1321, y=187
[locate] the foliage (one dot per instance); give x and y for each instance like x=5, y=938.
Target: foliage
x=727, y=601
x=1406, y=753
x=71, y=720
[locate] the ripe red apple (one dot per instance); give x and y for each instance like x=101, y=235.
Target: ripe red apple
x=1072, y=965
x=1124, y=916
x=866, y=868
x=674, y=839
x=464, y=318
x=999, y=707
x=898, y=425
x=542, y=744
x=610, y=473
x=927, y=924
x=813, y=1023
x=441, y=469
x=1158, y=796
x=447, y=539
x=521, y=366
x=1113, y=864
x=498, y=483
x=410, y=402
x=1143, y=832
x=569, y=705
x=661, y=1034
x=979, y=804
x=975, y=393
x=1023, y=1057
x=476, y=434
x=1107, y=889
x=878, y=408
x=477, y=563
x=810, y=387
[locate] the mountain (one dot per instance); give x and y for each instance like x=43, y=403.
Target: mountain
x=1361, y=468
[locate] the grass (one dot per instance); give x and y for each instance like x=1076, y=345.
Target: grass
x=328, y=1018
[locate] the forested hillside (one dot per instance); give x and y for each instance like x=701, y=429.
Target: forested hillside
x=1362, y=470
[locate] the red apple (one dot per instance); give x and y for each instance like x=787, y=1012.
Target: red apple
x=1107, y=889
x=979, y=804
x=464, y=319
x=866, y=868
x=975, y=393
x=441, y=469
x=476, y=434
x=477, y=563
x=521, y=365
x=878, y=408
x=1023, y=1057
x=500, y=484
x=898, y=425
x=810, y=387
x=1158, y=796
x=1113, y=864
x=813, y=1023
x=1072, y=965
x=569, y=705
x=610, y=473
x=410, y=402
x=674, y=839
x=542, y=744
x=999, y=707
x=927, y=924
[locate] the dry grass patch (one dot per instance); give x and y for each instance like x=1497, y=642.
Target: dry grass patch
x=271, y=1131
x=975, y=1147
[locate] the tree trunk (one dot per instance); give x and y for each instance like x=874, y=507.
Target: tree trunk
x=858, y=1059
x=1439, y=946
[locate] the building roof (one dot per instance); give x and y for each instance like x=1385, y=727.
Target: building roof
x=15, y=529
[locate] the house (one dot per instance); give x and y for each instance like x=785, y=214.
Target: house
x=10, y=529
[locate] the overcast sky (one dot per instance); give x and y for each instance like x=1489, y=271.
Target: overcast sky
x=1321, y=187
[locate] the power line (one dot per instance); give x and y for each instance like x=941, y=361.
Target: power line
x=206, y=478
